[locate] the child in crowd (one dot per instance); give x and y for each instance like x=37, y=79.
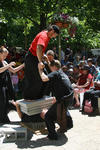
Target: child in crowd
x=14, y=78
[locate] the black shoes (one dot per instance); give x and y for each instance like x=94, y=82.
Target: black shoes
x=52, y=137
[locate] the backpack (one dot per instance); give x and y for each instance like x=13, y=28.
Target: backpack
x=87, y=107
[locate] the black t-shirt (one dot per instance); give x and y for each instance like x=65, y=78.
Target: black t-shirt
x=60, y=84
x=47, y=69
x=2, y=77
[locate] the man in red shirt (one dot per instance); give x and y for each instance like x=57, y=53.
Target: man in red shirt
x=33, y=85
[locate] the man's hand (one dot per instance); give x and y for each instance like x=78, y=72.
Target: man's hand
x=74, y=85
x=45, y=58
x=15, y=103
x=54, y=100
x=41, y=65
x=44, y=111
x=43, y=76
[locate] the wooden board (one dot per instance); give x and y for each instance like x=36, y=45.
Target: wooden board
x=32, y=127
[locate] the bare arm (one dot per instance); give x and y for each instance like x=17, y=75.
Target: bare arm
x=39, y=52
x=2, y=69
x=85, y=85
x=43, y=76
x=40, y=55
x=14, y=70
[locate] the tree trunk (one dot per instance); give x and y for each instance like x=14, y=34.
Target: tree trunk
x=25, y=42
x=42, y=21
x=42, y=15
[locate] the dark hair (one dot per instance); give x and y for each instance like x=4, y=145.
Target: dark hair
x=76, y=66
x=55, y=28
x=68, y=51
x=86, y=67
x=52, y=63
x=56, y=63
x=1, y=50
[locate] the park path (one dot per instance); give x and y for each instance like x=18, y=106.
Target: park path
x=85, y=135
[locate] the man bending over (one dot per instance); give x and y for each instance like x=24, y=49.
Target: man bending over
x=61, y=88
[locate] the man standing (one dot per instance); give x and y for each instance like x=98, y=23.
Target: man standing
x=61, y=88
x=33, y=85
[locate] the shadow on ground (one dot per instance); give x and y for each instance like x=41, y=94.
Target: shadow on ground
x=42, y=142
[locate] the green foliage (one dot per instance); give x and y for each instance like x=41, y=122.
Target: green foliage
x=23, y=19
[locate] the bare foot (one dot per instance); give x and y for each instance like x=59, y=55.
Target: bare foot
x=54, y=100
x=77, y=105
x=14, y=103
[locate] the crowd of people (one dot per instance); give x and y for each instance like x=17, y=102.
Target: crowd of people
x=84, y=74
x=74, y=82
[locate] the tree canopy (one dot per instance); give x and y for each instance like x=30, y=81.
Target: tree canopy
x=20, y=20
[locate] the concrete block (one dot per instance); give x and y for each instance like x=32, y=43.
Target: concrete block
x=32, y=107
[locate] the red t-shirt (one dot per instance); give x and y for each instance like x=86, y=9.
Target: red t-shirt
x=83, y=79
x=41, y=39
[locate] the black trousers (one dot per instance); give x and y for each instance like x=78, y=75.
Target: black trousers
x=32, y=85
x=51, y=116
x=92, y=95
x=3, y=106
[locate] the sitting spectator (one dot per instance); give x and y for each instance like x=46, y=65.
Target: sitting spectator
x=92, y=67
x=84, y=83
x=76, y=60
x=65, y=62
x=62, y=57
x=50, y=55
x=97, y=66
x=20, y=74
x=68, y=53
x=55, y=53
x=93, y=95
x=48, y=58
x=81, y=64
x=84, y=60
x=64, y=69
x=69, y=65
x=14, y=78
x=70, y=74
x=76, y=73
